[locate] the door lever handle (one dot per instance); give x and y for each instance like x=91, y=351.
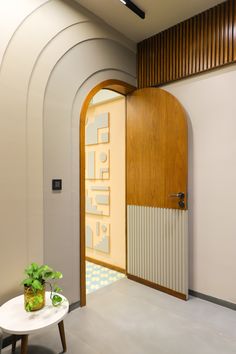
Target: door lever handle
x=179, y=195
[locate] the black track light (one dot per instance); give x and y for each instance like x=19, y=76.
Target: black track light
x=133, y=8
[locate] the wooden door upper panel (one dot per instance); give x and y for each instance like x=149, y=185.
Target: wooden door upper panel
x=157, y=144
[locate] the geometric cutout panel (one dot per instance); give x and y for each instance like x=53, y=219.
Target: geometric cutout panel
x=97, y=228
x=90, y=208
x=98, y=235
x=97, y=201
x=103, y=245
x=98, y=165
x=105, y=137
x=90, y=170
x=97, y=131
x=104, y=173
x=104, y=228
x=102, y=199
x=100, y=188
x=89, y=236
x=103, y=157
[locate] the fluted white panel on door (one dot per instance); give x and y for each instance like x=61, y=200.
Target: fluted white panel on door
x=158, y=246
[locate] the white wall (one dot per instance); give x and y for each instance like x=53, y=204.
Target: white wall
x=210, y=102
x=53, y=54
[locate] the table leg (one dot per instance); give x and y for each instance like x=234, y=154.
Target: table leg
x=62, y=335
x=24, y=344
x=1, y=340
x=14, y=340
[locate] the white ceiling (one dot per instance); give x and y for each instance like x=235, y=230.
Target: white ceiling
x=160, y=14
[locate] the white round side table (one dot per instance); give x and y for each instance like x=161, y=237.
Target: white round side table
x=15, y=320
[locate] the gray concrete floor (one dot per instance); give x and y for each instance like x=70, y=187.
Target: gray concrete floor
x=129, y=318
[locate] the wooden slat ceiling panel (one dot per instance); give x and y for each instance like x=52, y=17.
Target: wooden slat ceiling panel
x=202, y=43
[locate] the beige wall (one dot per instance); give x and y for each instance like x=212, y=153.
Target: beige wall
x=52, y=54
x=209, y=100
x=116, y=182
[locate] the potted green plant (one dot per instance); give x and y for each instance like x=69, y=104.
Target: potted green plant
x=38, y=277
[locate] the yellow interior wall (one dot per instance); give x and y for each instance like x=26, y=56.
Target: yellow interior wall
x=116, y=256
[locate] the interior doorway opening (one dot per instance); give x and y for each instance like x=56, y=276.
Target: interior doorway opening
x=103, y=190
x=155, y=197
x=105, y=222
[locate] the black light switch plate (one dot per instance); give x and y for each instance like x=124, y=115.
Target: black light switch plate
x=56, y=184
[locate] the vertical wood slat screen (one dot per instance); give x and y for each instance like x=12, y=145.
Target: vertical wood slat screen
x=203, y=42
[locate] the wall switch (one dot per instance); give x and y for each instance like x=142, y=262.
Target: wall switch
x=57, y=184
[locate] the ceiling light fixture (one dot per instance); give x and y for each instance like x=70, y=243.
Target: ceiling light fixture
x=133, y=8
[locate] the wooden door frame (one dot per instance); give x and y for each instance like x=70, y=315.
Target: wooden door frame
x=122, y=88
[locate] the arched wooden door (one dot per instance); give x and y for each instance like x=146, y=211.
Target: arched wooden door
x=157, y=216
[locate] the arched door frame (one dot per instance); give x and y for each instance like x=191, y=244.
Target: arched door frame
x=120, y=87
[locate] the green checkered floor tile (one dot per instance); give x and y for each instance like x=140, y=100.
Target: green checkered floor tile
x=97, y=277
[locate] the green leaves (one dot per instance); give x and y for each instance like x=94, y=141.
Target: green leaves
x=37, y=278
x=27, y=282
x=40, y=273
x=56, y=300
x=37, y=285
x=57, y=275
x=57, y=289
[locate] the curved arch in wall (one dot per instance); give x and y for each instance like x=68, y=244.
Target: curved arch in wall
x=67, y=87
x=67, y=53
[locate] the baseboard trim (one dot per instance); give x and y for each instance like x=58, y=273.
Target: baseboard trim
x=74, y=306
x=106, y=265
x=213, y=299
x=157, y=287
